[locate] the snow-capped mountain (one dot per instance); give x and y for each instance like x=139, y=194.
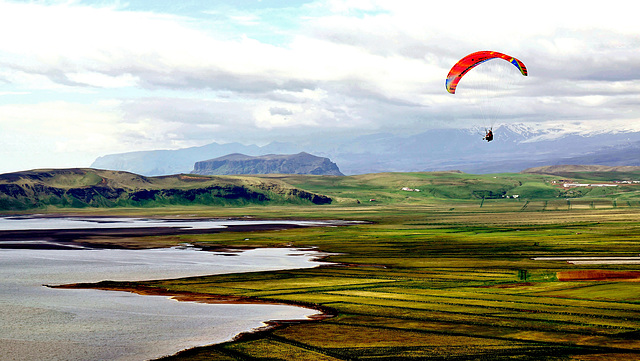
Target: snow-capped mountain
x=515, y=147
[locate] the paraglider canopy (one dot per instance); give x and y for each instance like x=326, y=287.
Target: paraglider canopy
x=467, y=63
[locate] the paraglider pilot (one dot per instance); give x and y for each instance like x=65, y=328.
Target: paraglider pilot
x=489, y=136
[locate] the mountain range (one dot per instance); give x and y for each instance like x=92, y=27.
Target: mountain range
x=514, y=148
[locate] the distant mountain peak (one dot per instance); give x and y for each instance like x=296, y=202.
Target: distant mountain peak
x=516, y=146
x=236, y=163
x=234, y=156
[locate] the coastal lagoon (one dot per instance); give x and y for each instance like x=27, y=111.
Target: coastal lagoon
x=35, y=223
x=42, y=323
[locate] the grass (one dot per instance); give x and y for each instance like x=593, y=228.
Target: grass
x=76, y=188
x=429, y=278
x=428, y=282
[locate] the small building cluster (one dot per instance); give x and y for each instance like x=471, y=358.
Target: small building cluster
x=571, y=185
x=407, y=189
x=568, y=183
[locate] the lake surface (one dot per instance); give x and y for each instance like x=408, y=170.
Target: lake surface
x=34, y=223
x=40, y=323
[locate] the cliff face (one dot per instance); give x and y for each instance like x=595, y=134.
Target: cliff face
x=301, y=163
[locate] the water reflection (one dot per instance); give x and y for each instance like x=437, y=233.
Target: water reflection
x=40, y=323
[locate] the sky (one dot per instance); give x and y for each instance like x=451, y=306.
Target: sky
x=81, y=79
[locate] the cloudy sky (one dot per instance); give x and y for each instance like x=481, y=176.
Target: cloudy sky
x=81, y=79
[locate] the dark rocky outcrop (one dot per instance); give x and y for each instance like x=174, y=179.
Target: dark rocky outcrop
x=301, y=163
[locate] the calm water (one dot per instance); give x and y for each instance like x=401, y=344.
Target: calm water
x=32, y=223
x=40, y=323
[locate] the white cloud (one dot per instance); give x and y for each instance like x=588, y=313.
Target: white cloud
x=100, y=80
x=55, y=134
x=358, y=65
x=14, y=93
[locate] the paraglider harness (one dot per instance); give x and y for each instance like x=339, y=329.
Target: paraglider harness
x=489, y=136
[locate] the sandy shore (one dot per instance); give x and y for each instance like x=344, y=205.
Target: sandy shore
x=186, y=296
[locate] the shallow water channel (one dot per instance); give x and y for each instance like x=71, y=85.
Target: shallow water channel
x=41, y=323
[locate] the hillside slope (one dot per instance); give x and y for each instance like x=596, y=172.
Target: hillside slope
x=80, y=187
x=571, y=168
x=593, y=172
x=428, y=186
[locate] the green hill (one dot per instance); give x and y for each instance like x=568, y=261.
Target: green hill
x=593, y=172
x=421, y=186
x=78, y=188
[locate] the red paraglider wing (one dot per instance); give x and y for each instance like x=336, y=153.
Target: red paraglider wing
x=470, y=61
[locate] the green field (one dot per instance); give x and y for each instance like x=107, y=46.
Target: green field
x=427, y=282
x=441, y=274
x=90, y=188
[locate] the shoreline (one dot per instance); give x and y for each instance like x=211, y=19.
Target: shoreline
x=324, y=312
x=99, y=238
x=117, y=238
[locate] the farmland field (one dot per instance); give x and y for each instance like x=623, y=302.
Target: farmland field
x=432, y=278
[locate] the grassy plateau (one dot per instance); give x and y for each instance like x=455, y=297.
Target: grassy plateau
x=446, y=273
